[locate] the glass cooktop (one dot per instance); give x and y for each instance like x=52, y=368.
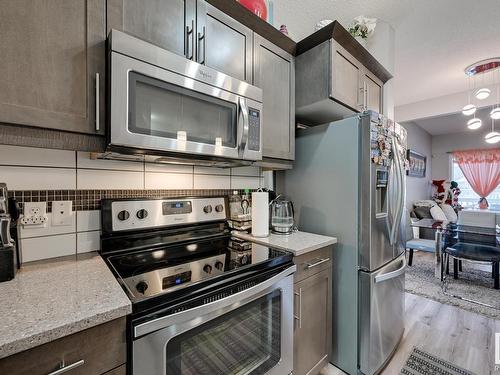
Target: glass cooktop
x=149, y=273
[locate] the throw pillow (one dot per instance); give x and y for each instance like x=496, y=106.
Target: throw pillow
x=438, y=214
x=422, y=212
x=449, y=212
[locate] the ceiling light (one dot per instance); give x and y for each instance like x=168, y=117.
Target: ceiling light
x=483, y=93
x=492, y=137
x=474, y=123
x=469, y=110
x=495, y=113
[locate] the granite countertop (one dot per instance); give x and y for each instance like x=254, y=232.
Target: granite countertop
x=298, y=242
x=55, y=298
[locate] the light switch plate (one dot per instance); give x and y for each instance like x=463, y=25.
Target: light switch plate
x=62, y=212
x=34, y=214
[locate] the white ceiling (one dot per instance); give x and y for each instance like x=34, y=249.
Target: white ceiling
x=435, y=39
x=454, y=123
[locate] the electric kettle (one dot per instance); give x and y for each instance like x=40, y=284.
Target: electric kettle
x=282, y=215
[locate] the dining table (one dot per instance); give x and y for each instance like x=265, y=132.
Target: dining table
x=447, y=232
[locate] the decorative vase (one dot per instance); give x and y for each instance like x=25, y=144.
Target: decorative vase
x=257, y=7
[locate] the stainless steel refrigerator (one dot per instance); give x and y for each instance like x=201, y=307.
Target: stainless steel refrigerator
x=348, y=181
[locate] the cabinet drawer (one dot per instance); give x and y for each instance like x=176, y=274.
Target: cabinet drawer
x=313, y=262
x=101, y=348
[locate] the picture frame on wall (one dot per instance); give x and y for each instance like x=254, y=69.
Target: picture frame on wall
x=417, y=164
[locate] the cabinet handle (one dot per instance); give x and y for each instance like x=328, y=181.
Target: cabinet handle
x=97, y=102
x=63, y=368
x=189, y=51
x=202, y=37
x=365, y=97
x=299, y=317
x=320, y=261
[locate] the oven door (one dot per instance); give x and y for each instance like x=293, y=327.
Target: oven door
x=155, y=109
x=250, y=332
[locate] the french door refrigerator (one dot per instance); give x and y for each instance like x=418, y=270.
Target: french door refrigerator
x=348, y=181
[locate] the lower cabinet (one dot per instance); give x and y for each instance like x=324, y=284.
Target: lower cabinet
x=94, y=351
x=313, y=312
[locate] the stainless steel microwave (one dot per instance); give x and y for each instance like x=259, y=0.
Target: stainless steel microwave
x=163, y=104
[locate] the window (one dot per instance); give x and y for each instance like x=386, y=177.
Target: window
x=468, y=198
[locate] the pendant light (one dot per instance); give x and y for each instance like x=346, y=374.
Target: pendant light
x=483, y=93
x=469, y=109
x=493, y=136
x=474, y=123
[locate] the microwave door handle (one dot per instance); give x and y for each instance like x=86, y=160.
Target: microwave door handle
x=244, y=136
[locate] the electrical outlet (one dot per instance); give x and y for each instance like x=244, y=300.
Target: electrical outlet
x=35, y=214
x=62, y=212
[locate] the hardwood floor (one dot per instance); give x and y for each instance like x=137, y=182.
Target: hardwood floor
x=455, y=335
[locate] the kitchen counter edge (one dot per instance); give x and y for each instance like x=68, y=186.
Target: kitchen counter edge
x=298, y=243
x=32, y=324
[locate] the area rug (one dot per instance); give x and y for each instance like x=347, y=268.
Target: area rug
x=473, y=283
x=423, y=363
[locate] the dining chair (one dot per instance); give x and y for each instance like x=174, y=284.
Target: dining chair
x=415, y=243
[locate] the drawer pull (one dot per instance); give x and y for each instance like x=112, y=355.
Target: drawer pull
x=320, y=261
x=67, y=368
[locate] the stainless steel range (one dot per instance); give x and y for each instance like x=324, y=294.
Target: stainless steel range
x=203, y=302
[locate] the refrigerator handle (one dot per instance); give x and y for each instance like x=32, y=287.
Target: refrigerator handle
x=396, y=215
x=393, y=274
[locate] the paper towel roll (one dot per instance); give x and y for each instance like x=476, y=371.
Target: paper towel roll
x=260, y=214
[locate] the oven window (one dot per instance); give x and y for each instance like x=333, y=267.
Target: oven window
x=169, y=111
x=245, y=341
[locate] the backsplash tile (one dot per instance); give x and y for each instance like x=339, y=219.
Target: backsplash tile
x=31, y=178
x=43, y=175
x=38, y=248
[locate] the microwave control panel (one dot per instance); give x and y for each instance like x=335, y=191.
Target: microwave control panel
x=253, y=129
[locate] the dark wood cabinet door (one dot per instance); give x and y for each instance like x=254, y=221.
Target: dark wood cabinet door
x=96, y=350
x=169, y=24
x=274, y=73
x=312, y=335
x=50, y=53
x=223, y=43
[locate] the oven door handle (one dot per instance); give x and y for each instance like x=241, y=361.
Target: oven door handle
x=187, y=315
x=245, y=126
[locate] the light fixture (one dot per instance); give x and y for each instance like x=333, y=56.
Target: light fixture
x=493, y=136
x=483, y=93
x=495, y=113
x=469, y=110
x=474, y=123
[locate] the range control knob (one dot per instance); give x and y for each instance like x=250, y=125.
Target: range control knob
x=207, y=209
x=142, y=214
x=123, y=215
x=207, y=268
x=141, y=287
x=219, y=208
x=219, y=265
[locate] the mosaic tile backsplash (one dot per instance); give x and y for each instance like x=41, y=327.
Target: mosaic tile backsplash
x=87, y=200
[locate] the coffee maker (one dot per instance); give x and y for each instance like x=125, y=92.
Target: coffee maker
x=8, y=255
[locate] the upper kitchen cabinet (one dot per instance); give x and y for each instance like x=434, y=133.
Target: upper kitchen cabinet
x=191, y=28
x=345, y=75
x=336, y=77
x=223, y=43
x=274, y=73
x=168, y=24
x=52, y=64
x=372, y=90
